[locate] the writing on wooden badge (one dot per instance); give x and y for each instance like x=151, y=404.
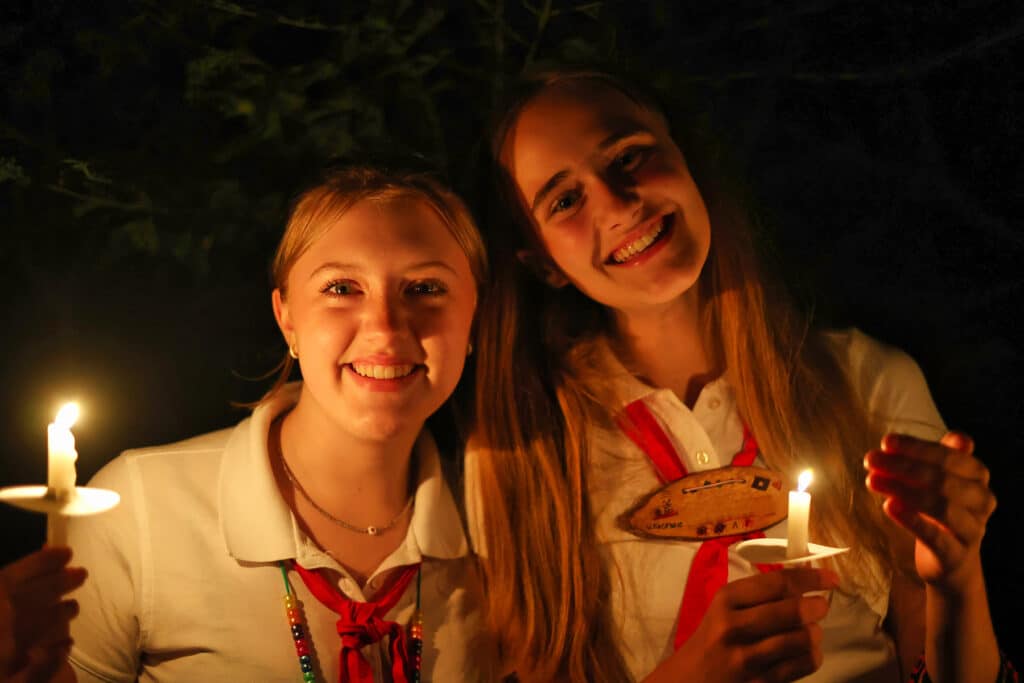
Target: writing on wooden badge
x=710, y=504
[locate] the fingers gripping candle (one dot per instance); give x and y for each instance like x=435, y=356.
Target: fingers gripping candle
x=799, y=515
x=60, y=480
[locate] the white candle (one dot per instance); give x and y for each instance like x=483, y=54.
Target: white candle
x=60, y=470
x=799, y=514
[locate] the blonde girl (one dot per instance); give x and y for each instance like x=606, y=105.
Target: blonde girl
x=318, y=540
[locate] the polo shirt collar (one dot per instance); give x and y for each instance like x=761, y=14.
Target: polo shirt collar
x=436, y=526
x=627, y=388
x=257, y=524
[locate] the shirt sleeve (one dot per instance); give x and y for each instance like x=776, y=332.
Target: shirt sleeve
x=892, y=387
x=107, y=633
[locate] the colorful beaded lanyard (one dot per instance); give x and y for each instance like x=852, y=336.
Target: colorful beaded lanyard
x=300, y=632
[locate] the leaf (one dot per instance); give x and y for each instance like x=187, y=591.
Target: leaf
x=403, y=7
x=224, y=79
x=430, y=20
x=11, y=171
x=141, y=234
x=579, y=51
x=86, y=170
x=228, y=196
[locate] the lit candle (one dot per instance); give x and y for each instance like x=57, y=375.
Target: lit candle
x=61, y=456
x=799, y=513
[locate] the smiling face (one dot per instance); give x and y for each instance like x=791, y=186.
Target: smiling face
x=379, y=308
x=609, y=195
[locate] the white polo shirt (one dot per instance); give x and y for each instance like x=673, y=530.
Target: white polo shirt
x=648, y=576
x=184, y=583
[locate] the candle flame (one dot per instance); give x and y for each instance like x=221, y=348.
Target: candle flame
x=804, y=480
x=67, y=415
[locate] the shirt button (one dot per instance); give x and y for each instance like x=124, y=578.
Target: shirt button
x=703, y=458
x=714, y=403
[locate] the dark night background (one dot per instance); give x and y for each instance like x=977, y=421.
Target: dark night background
x=148, y=151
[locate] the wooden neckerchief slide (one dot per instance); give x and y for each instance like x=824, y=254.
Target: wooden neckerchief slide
x=721, y=502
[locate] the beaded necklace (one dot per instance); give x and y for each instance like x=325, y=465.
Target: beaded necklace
x=301, y=636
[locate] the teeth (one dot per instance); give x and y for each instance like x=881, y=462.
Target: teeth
x=382, y=371
x=639, y=244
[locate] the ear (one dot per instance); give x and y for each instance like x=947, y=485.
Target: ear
x=543, y=268
x=281, y=315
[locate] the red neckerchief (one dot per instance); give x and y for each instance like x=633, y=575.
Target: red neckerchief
x=362, y=623
x=710, y=569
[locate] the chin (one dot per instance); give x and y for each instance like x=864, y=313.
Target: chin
x=387, y=427
x=671, y=284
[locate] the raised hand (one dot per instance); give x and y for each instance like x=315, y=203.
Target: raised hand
x=939, y=492
x=762, y=628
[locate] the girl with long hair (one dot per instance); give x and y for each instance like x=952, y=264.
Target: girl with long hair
x=634, y=334
x=319, y=539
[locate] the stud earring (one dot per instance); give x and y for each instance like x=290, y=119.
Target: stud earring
x=469, y=349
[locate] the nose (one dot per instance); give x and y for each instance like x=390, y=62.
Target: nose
x=615, y=201
x=384, y=317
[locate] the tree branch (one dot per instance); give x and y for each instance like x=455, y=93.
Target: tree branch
x=105, y=202
x=543, y=16
x=305, y=24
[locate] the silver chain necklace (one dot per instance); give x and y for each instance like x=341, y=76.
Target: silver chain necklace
x=368, y=530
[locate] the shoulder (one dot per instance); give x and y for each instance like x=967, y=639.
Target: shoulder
x=210, y=442
x=868, y=359
x=195, y=457
x=888, y=381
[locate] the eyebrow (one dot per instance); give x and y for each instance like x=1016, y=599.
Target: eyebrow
x=338, y=265
x=553, y=182
x=422, y=265
x=623, y=132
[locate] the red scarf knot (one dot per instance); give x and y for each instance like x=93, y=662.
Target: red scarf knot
x=365, y=631
x=363, y=623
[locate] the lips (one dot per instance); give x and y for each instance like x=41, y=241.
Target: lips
x=641, y=240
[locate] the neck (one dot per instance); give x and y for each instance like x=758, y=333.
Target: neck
x=665, y=346
x=362, y=482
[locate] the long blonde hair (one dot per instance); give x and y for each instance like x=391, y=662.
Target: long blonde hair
x=547, y=585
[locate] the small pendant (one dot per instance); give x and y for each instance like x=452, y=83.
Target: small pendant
x=372, y=530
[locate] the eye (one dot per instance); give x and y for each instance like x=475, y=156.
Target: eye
x=340, y=288
x=427, y=288
x=631, y=159
x=565, y=201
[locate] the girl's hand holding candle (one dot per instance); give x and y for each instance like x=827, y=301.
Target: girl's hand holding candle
x=799, y=515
